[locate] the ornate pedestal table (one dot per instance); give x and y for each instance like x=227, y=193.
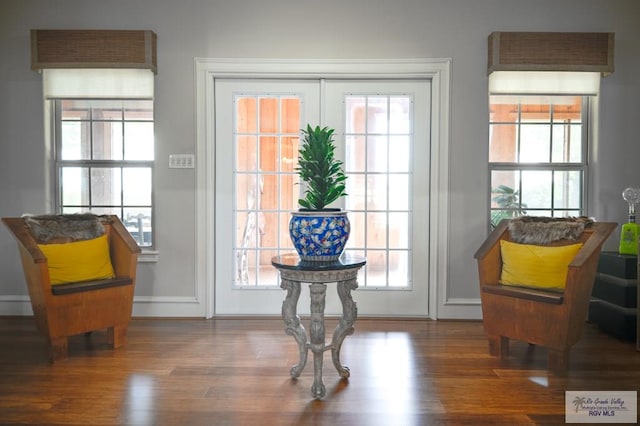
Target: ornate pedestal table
x=293, y=272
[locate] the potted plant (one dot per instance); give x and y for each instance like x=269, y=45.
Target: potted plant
x=319, y=232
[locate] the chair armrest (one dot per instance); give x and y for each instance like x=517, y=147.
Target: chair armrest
x=123, y=248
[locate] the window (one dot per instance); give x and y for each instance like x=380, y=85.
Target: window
x=104, y=152
x=537, y=155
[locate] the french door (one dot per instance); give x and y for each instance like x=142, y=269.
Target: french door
x=382, y=136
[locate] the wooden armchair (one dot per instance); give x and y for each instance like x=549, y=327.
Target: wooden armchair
x=553, y=319
x=71, y=308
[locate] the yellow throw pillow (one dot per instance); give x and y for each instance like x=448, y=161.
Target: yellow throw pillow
x=536, y=266
x=78, y=261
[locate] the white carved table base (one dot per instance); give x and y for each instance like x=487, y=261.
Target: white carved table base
x=346, y=281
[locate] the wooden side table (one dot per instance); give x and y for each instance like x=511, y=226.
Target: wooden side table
x=293, y=272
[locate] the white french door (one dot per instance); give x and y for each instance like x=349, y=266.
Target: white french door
x=382, y=133
x=385, y=129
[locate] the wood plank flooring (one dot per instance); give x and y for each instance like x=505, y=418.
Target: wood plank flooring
x=236, y=372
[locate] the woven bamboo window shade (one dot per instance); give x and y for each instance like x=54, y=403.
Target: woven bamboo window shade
x=549, y=63
x=93, y=49
x=553, y=51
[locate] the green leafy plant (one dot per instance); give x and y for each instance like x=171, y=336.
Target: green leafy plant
x=319, y=169
x=508, y=199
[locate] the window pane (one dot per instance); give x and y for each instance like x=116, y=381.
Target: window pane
x=567, y=143
x=74, y=109
x=106, y=110
x=566, y=190
x=107, y=136
x=536, y=189
x=535, y=140
x=503, y=143
x=75, y=141
x=138, y=110
x=567, y=108
x=75, y=186
x=139, y=224
x=107, y=210
x=136, y=186
x=138, y=141
x=505, y=196
x=106, y=184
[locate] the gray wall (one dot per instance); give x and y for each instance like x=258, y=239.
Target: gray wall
x=455, y=29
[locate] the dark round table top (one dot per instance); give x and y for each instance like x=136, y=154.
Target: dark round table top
x=293, y=262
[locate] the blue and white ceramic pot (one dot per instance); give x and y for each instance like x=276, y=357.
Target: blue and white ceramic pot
x=319, y=235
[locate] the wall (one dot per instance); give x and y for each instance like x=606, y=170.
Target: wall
x=455, y=29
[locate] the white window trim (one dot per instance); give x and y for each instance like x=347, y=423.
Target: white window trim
x=437, y=70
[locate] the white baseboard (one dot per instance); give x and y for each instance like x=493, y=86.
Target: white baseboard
x=460, y=308
x=190, y=307
x=142, y=307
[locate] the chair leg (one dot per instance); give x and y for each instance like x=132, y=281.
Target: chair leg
x=58, y=349
x=499, y=346
x=558, y=361
x=117, y=336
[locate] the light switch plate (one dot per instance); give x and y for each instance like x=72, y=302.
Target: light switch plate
x=181, y=161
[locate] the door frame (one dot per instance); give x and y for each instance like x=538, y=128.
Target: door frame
x=436, y=70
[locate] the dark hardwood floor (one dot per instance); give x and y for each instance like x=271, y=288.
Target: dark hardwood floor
x=236, y=372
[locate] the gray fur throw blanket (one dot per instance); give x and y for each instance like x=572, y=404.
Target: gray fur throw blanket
x=543, y=230
x=71, y=227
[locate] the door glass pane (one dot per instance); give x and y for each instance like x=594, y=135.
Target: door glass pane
x=266, y=139
x=378, y=165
